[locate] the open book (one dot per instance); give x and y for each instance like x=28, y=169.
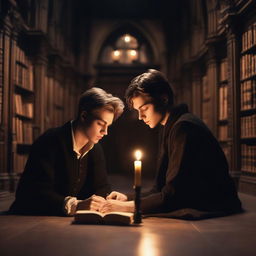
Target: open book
x=111, y=218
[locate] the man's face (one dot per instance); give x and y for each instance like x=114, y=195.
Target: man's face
x=99, y=126
x=146, y=110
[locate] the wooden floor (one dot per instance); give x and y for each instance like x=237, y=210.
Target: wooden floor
x=232, y=236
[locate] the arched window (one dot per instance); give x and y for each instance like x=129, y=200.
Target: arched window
x=125, y=49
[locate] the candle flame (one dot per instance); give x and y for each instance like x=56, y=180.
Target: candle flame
x=138, y=155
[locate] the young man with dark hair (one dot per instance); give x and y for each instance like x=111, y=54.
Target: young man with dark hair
x=192, y=177
x=66, y=166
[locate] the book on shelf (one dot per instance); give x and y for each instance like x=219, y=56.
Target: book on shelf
x=223, y=103
x=24, y=74
x=249, y=37
x=23, y=108
x=248, y=124
x=22, y=131
x=248, y=158
x=248, y=66
x=248, y=94
x=111, y=218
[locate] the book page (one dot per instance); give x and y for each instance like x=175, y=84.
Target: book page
x=89, y=212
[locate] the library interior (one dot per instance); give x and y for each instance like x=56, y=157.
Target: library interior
x=51, y=51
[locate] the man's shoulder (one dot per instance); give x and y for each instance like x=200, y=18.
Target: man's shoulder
x=191, y=125
x=189, y=119
x=53, y=134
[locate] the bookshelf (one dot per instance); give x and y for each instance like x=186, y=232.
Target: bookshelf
x=23, y=109
x=223, y=93
x=248, y=100
x=41, y=77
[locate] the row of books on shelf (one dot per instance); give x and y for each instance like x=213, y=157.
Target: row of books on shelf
x=21, y=57
x=223, y=76
x=248, y=66
x=24, y=76
x=23, y=108
x=248, y=94
x=223, y=132
x=19, y=162
x=22, y=131
x=248, y=126
x=249, y=37
x=223, y=103
x=248, y=158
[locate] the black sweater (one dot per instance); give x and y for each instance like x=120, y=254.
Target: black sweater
x=192, y=169
x=53, y=172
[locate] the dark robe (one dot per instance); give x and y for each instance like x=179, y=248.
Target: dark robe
x=192, y=172
x=53, y=172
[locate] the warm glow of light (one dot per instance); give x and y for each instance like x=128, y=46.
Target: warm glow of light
x=133, y=53
x=127, y=38
x=138, y=155
x=116, y=53
x=148, y=245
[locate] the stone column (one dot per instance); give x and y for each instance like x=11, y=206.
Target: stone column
x=234, y=97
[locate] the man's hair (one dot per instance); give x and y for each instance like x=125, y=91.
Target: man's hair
x=153, y=84
x=96, y=98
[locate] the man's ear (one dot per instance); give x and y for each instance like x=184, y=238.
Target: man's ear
x=83, y=116
x=164, y=99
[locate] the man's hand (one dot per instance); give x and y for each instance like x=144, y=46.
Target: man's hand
x=92, y=203
x=117, y=196
x=117, y=206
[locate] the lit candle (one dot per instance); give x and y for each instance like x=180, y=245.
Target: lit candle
x=137, y=169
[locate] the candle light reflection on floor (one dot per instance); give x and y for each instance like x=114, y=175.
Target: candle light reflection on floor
x=148, y=245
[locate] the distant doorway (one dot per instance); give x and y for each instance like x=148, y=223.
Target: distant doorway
x=123, y=56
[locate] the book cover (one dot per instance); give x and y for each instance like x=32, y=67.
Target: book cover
x=111, y=218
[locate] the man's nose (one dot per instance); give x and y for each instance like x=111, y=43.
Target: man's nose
x=105, y=130
x=140, y=116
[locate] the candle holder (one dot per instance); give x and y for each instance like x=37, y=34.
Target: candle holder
x=137, y=212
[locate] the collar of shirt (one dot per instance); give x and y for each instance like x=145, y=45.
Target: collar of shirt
x=86, y=148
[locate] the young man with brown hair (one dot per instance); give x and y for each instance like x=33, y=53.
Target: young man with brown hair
x=192, y=178
x=66, y=165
